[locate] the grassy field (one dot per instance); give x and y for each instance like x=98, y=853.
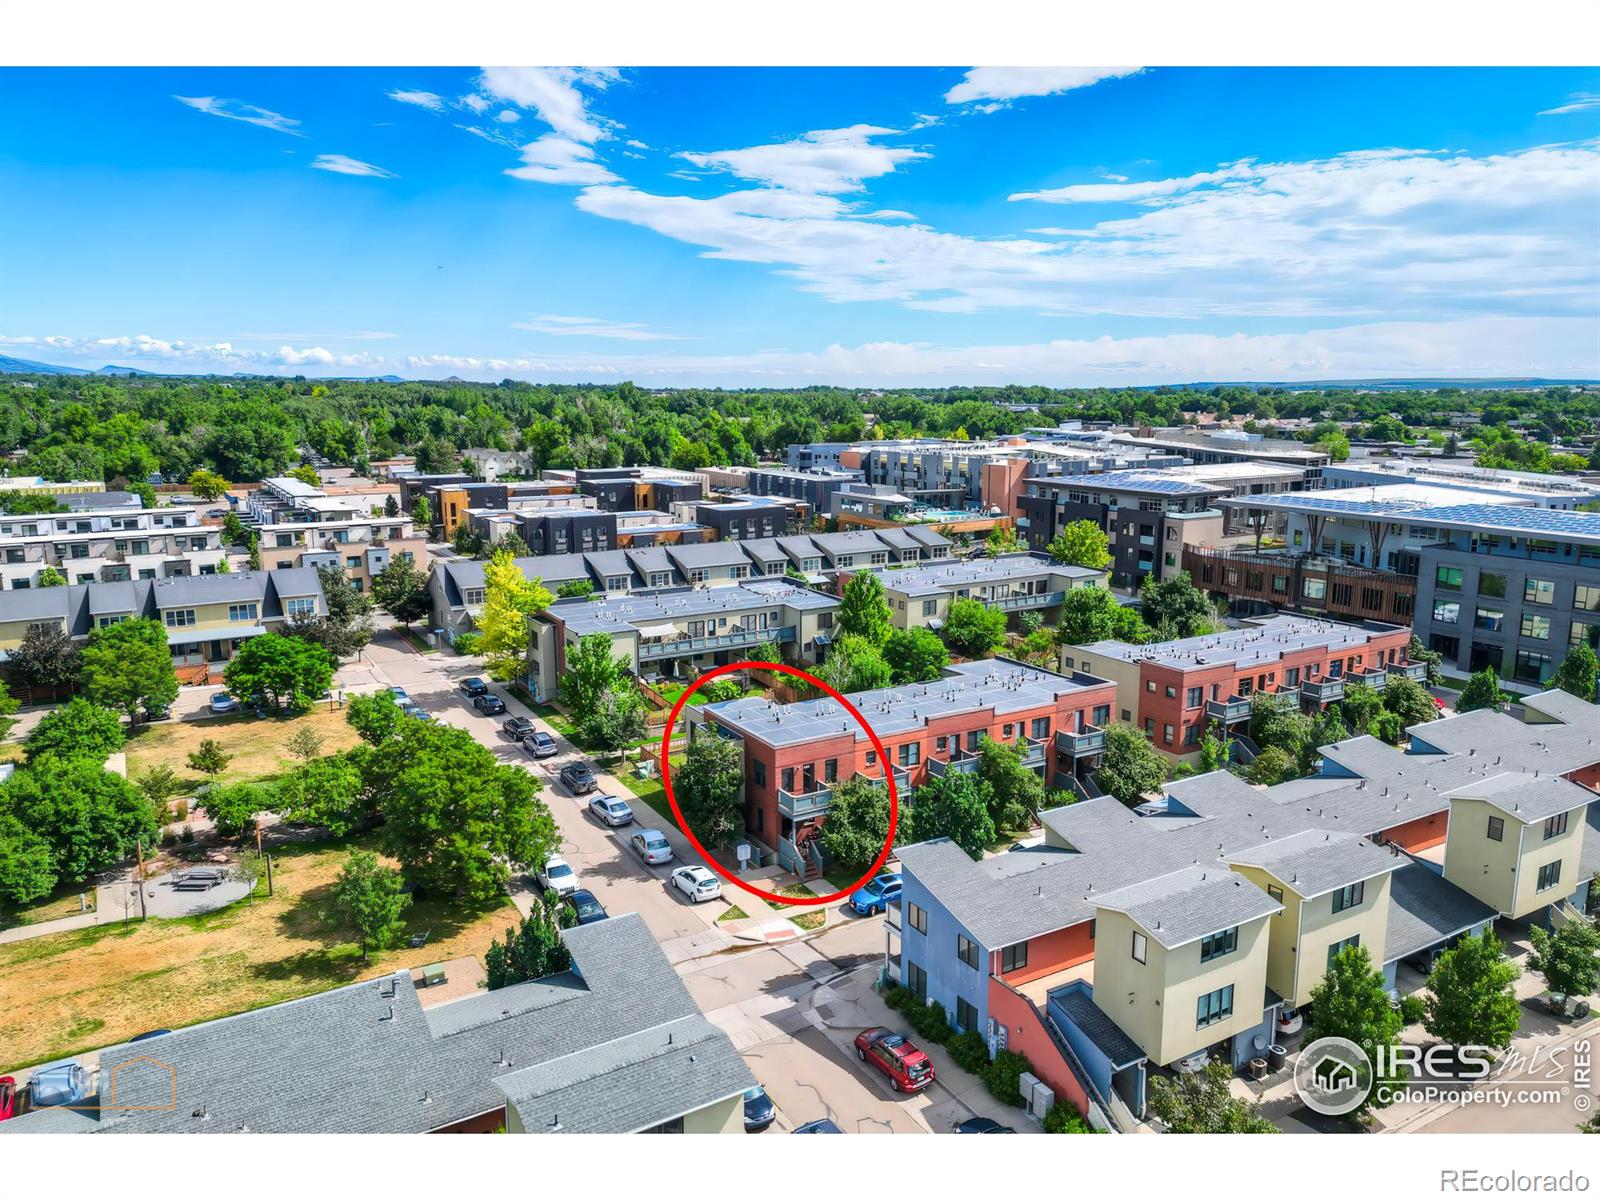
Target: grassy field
x=256, y=743
x=70, y=992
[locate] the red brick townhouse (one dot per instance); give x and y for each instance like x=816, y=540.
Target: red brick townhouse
x=795, y=752
x=1174, y=690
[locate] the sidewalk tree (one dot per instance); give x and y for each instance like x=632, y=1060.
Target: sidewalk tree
x=1093, y=614
x=1016, y=793
x=857, y=824
x=618, y=718
x=708, y=786
x=1482, y=691
x=1175, y=608
x=1352, y=1001
x=864, y=609
x=955, y=806
x=1130, y=766
x=915, y=656
x=401, y=590
x=76, y=728
x=374, y=715
x=207, y=485
x=593, y=668
x=128, y=667
x=91, y=818
x=1471, y=1000
x=1566, y=958
x=1081, y=544
x=369, y=896
x=973, y=629
x=509, y=599
x=1203, y=1102
x=1578, y=673
x=533, y=950
x=46, y=658
x=287, y=673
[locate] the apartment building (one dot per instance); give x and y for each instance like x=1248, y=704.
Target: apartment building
x=624, y=489
x=1176, y=690
x=1541, y=491
x=304, y=526
x=1270, y=580
x=815, y=487
x=104, y=537
x=1228, y=446
x=1511, y=588
x=565, y=528
x=681, y=633
x=207, y=617
x=920, y=596
x=737, y=520
x=1142, y=938
x=794, y=753
x=39, y=484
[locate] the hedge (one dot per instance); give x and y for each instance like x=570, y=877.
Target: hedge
x=1063, y=1118
x=1003, y=1077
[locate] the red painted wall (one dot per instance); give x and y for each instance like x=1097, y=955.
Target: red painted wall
x=1588, y=776
x=1421, y=834
x=1053, y=951
x=1026, y=1034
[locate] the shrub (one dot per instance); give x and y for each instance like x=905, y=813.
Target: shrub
x=1063, y=1118
x=1412, y=1009
x=1003, y=1077
x=930, y=1021
x=180, y=811
x=168, y=838
x=470, y=644
x=970, y=1052
x=896, y=996
x=187, y=836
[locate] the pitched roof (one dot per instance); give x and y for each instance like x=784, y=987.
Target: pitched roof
x=1425, y=908
x=1318, y=861
x=1527, y=798
x=1188, y=904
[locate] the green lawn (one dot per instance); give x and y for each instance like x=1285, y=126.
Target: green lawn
x=414, y=639
x=671, y=691
x=63, y=902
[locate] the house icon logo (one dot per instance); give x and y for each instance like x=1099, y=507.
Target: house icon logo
x=1333, y=1076
x=142, y=1083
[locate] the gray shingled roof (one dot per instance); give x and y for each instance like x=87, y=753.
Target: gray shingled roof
x=1528, y=798
x=1099, y=1028
x=1425, y=908
x=1178, y=908
x=1317, y=861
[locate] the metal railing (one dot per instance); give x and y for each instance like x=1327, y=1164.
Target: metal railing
x=798, y=806
x=1035, y=600
x=1374, y=679
x=650, y=650
x=1078, y=745
x=1410, y=670
x=1323, y=691
x=1234, y=708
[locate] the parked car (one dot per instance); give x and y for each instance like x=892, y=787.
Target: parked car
x=540, y=744
x=608, y=810
x=651, y=846
x=983, y=1125
x=697, y=883
x=401, y=696
x=1438, y=703
x=64, y=1083
x=1192, y=1064
x=223, y=702
x=907, y=1067
x=822, y=1126
x=411, y=710
x=557, y=876
x=877, y=895
x=578, y=777
x=759, y=1111
x=8, y=1097
x=489, y=704
x=473, y=686
x=517, y=728
x=157, y=712
x=1289, y=1022
x=585, y=906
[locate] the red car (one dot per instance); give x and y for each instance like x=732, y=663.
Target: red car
x=907, y=1067
x=8, y=1097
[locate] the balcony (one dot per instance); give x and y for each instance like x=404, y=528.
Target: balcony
x=679, y=647
x=1323, y=691
x=1081, y=745
x=1374, y=679
x=1410, y=670
x=1234, y=708
x=1036, y=600
x=804, y=805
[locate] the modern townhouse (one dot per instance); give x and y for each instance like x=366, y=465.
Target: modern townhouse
x=575, y=529
x=105, y=542
x=815, y=487
x=451, y=498
x=1176, y=690
x=878, y=506
x=304, y=526
x=207, y=617
x=1131, y=940
x=1509, y=588
x=742, y=519
x=795, y=753
x=1257, y=581
x=624, y=489
x=920, y=596
x=613, y=1044
x=681, y=633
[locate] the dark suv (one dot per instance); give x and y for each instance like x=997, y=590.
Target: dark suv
x=579, y=778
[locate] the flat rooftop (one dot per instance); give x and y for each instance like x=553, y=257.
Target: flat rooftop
x=624, y=613
x=1261, y=643
x=1415, y=501
x=945, y=575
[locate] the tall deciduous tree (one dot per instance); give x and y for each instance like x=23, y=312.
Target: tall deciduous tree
x=330, y=792
x=1130, y=766
x=864, y=609
x=1093, y=614
x=1567, y=957
x=858, y=822
x=915, y=655
x=76, y=728
x=207, y=485
x=91, y=818
x=286, y=672
x=1081, y=544
x=509, y=599
x=374, y=715
x=47, y=657
x=369, y=896
x=1578, y=673
x=954, y=805
x=708, y=786
x=1482, y=691
x=1016, y=793
x=973, y=629
x=27, y=862
x=401, y=590
x=1471, y=1000
x=1352, y=1002
x=854, y=665
x=533, y=950
x=593, y=669
x=1408, y=700
x=128, y=667
x=1203, y=1102
x=1175, y=608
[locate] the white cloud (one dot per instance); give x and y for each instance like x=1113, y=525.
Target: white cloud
x=554, y=93
x=822, y=161
x=238, y=110
x=1577, y=102
x=508, y=116
x=636, y=144
x=475, y=102
x=428, y=100
x=1121, y=190
x=1012, y=83
x=556, y=159
x=593, y=327
x=343, y=164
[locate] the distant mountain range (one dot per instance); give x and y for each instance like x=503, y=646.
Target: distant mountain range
x=25, y=366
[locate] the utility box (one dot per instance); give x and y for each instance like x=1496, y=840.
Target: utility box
x=1037, y=1096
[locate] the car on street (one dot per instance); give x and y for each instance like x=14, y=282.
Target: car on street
x=759, y=1111
x=473, y=686
x=697, y=883
x=557, y=876
x=540, y=744
x=578, y=778
x=585, y=907
x=64, y=1083
x=608, y=810
x=651, y=846
x=983, y=1125
x=908, y=1068
x=223, y=702
x=877, y=895
x=516, y=728
x=822, y=1126
x=401, y=696
x=412, y=710
x=489, y=704
x=8, y=1097
x=157, y=711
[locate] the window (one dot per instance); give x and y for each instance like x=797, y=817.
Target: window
x=1172, y=692
x=1215, y=945
x=1275, y=892
x=1549, y=876
x=830, y=770
x=1349, y=897
x=178, y=618
x=1150, y=685
x=1492, y=619
x=1447, y=578
x=758, y=773
x=786, y=779
x=1586, y=598
x=1014, y=958
x=1213, y=1007
x=1166, y=734
x=1497, y=829
x=916, y=980
x=917, y=917
x=1536, y=627
x=910, y=754
x=242, y=612
x=929, y=607
x=1345, y=944
x=872, y=758
x=1531, y=667
x=1584, y=633
x=1492, y=584
x=1555, y=826
x=1538, y=591
x=966, y=1014
x=1447, y=612
x=1193, y=697
x=1102, y=714
x=967, y=950
x=473, y=597
x=1040, y=728
x=1315, y=589
x=304, y=606
x=1141, y=946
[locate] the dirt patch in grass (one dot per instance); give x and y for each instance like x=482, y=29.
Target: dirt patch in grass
x=70, y=992
x=256, y=743
x=810, y=917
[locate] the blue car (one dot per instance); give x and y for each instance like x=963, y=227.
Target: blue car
x=877, y=895
x=64, y=1083
x=822, y=1126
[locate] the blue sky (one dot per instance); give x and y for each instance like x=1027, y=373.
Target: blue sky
x=792, y=226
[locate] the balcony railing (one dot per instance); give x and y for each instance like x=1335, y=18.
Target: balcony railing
x=676, y=648
x=1081, y=745
x=1411, y=670
x=1323, y=691
x=1035, y=600
x=1234, y=708
x=799, y=806
x=1376, y=680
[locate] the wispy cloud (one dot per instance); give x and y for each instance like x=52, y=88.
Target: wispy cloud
x=1577, y=102
x=238, y=110
x=822, y=162
x=557, y=159
x=593, y=327
x=343, y=164
x=429, y=100
x=1004, y=84
x=555, y=93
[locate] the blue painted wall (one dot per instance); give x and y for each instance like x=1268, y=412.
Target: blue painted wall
x=935, y=953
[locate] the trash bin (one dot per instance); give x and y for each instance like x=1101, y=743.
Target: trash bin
x=1258, y=1068
x=1275, y=1057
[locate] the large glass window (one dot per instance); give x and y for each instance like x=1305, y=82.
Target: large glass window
x=1585, y=633
x=1549, y=876
x=916, y=980
x=1215, y=945
x=1586, y=598
x=1492, y=619
x=1447, y=579
x=1213, y=1007
x=917, y=917
x=1446, y=612
x=966, y=1014
x=1536, y=627
x=1349, y=897
x=1555, y=826
x=1014, y=958
x=1532, y=667
x=1492, y=584
x=1538, y=591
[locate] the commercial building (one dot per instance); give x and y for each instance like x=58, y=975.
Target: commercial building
x=304, y=526
x=1137, y=939
x=106, y=537
x=1269, y=580
x=614, y=1044
x=1229, y=446
x=1541, y=491
x=920, y=597
x=1175, y=690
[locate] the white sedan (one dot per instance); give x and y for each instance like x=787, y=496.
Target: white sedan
x=557, y=876
x=697, y=883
